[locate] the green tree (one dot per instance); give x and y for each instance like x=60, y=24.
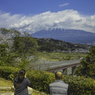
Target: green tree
x=14, y=33
x=5, y=31
x=11, y=32
x=3, y=50
x=6, y=56
x=23, y=64
x=87, y=67
x=25, y=45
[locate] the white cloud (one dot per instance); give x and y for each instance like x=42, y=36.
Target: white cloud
x=64, y=5
x=67, y=19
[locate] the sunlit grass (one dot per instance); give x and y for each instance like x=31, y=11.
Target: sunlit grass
x=60, y=56
x=4, y=82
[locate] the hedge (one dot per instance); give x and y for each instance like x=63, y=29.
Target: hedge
x=78, y=85
x=41, y=79
x=8, y=72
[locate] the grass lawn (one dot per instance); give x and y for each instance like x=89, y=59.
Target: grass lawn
x=4, y=82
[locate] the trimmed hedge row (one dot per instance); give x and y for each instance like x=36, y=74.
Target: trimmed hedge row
x=41, y=79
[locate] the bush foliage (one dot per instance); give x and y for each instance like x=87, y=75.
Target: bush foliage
x=87, y=67
x=8, y=72
x=40, y=80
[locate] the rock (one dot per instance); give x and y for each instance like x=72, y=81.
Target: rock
x=30, y=90
x=12, y=88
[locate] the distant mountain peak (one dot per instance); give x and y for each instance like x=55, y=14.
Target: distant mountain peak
x=68, y=35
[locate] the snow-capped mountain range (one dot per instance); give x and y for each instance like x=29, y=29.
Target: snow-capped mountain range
x=68, y=35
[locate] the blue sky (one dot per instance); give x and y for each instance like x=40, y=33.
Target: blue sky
x=35, y=15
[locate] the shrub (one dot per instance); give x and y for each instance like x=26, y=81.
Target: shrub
x=40, y=80
x=87, y=67
x=80, y=85
x=23, y=64
x=8, y=72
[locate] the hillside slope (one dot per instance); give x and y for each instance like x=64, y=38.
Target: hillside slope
x=47, y=44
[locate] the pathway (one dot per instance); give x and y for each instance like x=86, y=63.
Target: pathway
x=4, y=88
x=10, y=93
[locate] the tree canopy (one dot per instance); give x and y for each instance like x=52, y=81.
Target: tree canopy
x=24, y=45
x=6, y=56
x=87, y=67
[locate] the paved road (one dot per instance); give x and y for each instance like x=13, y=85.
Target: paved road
x=45, y=64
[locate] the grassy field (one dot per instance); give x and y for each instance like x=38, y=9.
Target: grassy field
x=57, y=56
x=4, y=82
